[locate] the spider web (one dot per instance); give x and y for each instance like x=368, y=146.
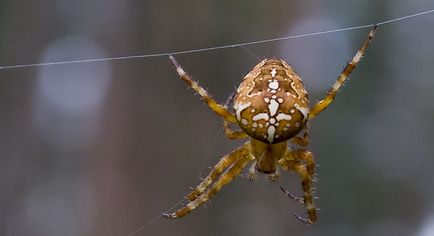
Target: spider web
x=213, y=48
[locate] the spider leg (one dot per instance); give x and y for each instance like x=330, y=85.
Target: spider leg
x=224, y=179
x=324, y=103
x=302, y=162
x=231, y=134
x=303, y=140
x=307, y=157
x=251, y=174
x=217, y=108
x=292, y=196
x=218, y=169
x=273, y=177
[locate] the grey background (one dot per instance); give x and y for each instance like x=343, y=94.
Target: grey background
x=103, y=148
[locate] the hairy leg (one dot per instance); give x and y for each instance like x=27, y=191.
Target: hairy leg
x=217, y=108
x=224, y=179
x=218, y=169
x=324, y=103
x=273, y=177
x=231, y=134
x=252, y=172
x=307, y=157
x=302, y=140
x=302, y=162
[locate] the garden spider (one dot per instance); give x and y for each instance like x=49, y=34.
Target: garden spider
x=271, y=107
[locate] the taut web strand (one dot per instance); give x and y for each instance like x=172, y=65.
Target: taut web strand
x=216, y=47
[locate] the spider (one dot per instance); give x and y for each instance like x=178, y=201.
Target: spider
x=271, y=108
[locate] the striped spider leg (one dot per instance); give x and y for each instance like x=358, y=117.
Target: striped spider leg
x=272, y=109
x=217, y=108
x=324, y=103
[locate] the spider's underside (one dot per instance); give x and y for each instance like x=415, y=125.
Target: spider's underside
x=271, y=107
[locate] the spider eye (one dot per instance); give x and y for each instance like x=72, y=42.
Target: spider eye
x=271, y=103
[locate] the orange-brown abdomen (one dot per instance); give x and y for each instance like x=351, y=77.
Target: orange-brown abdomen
x=271, y=104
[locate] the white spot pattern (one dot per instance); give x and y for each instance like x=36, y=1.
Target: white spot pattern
x=271, y=94
x=260, y=116
x=254, y=94
x=244, y=122
x=271, y=131
x=273, y=72
x=283, y=116
x=240, y=108
x=273, y=84
x=303, y=110
x=273, y=107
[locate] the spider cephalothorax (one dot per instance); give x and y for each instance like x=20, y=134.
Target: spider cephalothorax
x=271, y=106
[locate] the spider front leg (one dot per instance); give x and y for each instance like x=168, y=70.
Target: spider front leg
x=217, y=108
x=218, y=177
x=302, y=162
x=324, y=103
x=231, y=134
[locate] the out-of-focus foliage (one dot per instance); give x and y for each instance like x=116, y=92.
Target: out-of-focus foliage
x=102, y=148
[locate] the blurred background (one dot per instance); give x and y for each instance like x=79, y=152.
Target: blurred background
x=103, y=148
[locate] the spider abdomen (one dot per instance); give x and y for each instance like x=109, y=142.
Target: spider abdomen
x=271, y=104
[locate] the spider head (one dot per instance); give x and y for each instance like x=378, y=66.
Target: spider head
x=271, y=104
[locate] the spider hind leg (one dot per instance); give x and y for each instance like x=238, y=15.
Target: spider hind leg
x=273, y=177
x=292, y=196
x=302, y=162
x=233, y=134
x=218, y=169
x=223, y=173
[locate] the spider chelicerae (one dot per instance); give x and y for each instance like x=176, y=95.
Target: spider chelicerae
x=271, y=108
